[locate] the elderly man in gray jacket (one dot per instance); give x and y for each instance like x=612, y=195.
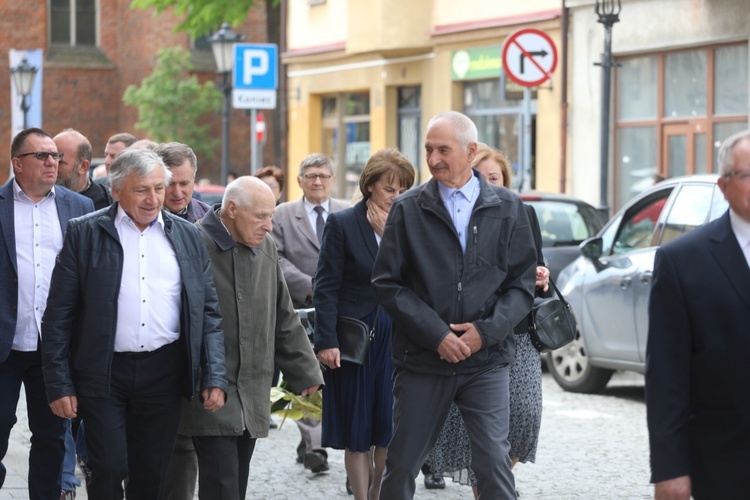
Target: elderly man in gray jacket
x=260, y=326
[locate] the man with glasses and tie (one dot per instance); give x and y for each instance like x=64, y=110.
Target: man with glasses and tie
x=297, y=231
x=34, y=214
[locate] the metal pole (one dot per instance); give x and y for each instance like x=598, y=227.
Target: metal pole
x=225, y=131
x=25, y=110
x=606, y=64
x=525, y=183
x=253, y=141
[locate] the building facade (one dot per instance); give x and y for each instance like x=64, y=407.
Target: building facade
x=680, y=88
x=363, y=75
x=93, y=50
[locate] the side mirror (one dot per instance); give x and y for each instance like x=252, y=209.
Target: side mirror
x=592, y=249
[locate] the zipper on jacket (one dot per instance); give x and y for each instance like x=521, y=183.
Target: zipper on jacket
x=475, y=234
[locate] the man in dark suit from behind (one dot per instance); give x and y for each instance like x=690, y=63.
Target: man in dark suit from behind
x=698, y=344
x=34, y=215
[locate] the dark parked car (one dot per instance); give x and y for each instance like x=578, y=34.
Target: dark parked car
x=608, y=286
x=211, y=193
x=565, y=222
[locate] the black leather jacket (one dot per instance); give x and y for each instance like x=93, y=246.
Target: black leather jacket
x=78, y=328
x=426, y=281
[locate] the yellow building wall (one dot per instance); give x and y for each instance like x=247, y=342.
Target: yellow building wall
x=344, y=71
x=465, y=11
x=315, y=25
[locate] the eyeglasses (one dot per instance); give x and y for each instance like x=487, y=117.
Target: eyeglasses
x=742, y=175
x=43, y=155
x=312, y=177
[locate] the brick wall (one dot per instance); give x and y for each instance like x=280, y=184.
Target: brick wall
x=88, y=96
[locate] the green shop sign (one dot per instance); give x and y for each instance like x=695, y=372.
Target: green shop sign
x=471, y=64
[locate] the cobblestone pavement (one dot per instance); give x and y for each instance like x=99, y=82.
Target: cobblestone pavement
x=591, y=447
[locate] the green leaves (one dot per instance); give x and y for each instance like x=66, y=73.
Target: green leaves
x=172, y=104
x=203, y=16
x=290, y=405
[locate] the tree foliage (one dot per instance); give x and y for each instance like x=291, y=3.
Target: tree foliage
x=171, y=102
x=203, y=16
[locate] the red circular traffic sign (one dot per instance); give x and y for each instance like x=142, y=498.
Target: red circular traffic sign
x=529, y=57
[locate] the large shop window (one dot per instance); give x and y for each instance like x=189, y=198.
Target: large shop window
x=673, y=110
x=73, y=22
x=497, y=113
x=346, y=138
x=409, y=125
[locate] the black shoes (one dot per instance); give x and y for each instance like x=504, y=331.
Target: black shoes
x=316, y=461
x=434, y=482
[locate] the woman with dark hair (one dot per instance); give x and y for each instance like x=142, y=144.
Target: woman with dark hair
x=358, y=399
x=274, y=177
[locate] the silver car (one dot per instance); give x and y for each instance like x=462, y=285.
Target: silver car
x=608, y=286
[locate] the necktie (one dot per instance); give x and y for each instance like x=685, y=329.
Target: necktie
x=319, y=223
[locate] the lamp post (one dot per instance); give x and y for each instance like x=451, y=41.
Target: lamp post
x=608, y=12
x=222, y=44
x=23, y=77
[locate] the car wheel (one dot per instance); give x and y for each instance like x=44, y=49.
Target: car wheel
x=572, y=371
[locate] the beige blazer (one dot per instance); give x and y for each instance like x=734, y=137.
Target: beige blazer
x=298, y=247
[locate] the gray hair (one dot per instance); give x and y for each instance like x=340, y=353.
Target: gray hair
x=243, y=191
x=174, y=154
x=315, y=160
x=465, y=129
x=725, y=160
x=84, y=150
x=140, y=161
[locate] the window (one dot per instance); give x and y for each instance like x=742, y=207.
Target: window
x=497, y=112
x=73, y=22
x=637, y=229
x=346, y=138
x=673, y=110
x=409, y=128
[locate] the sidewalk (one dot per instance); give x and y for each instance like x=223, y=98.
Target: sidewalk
x=274, y=472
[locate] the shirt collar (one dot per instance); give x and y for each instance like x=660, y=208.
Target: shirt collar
x=741, y=228
x=123, y=217
x=309, y=207
x=18, y=193
x=468, y=190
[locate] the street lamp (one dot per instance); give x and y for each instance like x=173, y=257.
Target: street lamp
x=608, y=12
x=222, y=46
x=23, y=77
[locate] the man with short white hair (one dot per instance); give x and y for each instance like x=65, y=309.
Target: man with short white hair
x=456, y=272
x=260, y=328
x=132, y=326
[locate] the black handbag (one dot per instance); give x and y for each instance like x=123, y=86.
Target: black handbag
x=552, y=324
x=354, y=338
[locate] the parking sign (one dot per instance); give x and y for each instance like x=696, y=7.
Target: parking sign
x=255, y=77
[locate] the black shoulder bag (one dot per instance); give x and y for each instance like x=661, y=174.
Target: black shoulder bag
x=552, y=324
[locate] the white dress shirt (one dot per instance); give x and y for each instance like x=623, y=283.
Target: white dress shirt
x=148, y=305
x=741, y=229
x=38, y=241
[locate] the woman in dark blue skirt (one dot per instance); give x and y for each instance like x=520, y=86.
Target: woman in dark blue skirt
x=358, y=399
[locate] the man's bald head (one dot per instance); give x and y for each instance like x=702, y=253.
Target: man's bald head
x=246, y=210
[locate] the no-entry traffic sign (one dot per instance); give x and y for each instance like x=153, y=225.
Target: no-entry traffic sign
x=529, y=57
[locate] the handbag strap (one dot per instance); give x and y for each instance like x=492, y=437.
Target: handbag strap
x=375, y=322
x=559, y=295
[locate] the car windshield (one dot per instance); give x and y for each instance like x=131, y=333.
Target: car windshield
x=563, y=223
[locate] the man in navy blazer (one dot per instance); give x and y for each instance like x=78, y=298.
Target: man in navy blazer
x=698, y=405
x=34, y=215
